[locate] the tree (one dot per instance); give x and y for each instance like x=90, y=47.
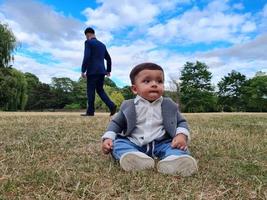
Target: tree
x=230, y=92
x=32, y=87
x=109, y=82
x=255, y=94
x=13, y=85
x=260, y=73
x=63, y=91
x=13, y=89
x=114, y=95
x=127, y=92
x=117, y=98
x=196, y=91
x=174, y=90
x=45, y=98
x=7, y=45
x=79, y=92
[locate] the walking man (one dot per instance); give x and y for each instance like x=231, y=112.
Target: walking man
x=93, y=69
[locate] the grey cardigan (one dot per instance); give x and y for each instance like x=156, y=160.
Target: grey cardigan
x=124, y=121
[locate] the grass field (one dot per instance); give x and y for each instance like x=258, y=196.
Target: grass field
x=58, y=156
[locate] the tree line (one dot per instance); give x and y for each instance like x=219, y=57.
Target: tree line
x=234, y=92
x=193, y=91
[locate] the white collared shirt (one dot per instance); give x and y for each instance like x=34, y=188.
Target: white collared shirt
x=149, y=122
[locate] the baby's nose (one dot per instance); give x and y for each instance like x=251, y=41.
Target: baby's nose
x=154, y=83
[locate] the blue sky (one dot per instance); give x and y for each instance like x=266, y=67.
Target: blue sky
x=225, y=34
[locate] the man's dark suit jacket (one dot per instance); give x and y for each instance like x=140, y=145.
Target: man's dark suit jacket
x=94, y=54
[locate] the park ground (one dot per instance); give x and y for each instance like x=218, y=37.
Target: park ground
x=57, y=155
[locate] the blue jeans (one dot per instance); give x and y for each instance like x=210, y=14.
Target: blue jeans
x=155, y=149
x=95, y=83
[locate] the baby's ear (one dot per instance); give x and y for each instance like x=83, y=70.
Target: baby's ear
x=134, y=90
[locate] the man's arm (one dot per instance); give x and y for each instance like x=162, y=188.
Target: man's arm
x=108, y=59
x=87, y=52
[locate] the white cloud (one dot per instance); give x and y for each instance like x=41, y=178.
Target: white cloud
x=248, y=27
x=238, y=6
x=44, y=31
x=41, y=19
x=117, y=14
x=253, y=50
x=247, y=58
x=43, y=71
x=217, y=6
x=211, y=24
x=126, y=57
x=167, y=5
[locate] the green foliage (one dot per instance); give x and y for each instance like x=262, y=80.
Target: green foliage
x=7, y=45
x=174, y=90
x=32, y=87
x=40, y=95
x=230, y=92
x=109, y=82
x=196, y=91
x=117, y=98
x=62, y=89
x=114, y=95
x=44, y=97
x=172, y=94
x=13, y=87
x=79, y=92
x=127, y=92
x=255, y=94
x=261, y=73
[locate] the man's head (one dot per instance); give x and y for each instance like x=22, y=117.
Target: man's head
x=89, y=32
x=147, y=81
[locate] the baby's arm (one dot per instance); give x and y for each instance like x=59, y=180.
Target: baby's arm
x=179, y=141
x=116, y=125
x=107, y=141
x=107, y=145
x=182, y=137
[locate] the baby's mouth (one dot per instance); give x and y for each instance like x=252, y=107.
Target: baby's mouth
x=153, y=92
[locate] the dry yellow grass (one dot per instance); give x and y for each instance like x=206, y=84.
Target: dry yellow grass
x=57, y=156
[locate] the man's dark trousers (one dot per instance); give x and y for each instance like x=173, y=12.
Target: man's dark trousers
x=95, y=83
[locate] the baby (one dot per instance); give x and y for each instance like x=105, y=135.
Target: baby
x=149, y=126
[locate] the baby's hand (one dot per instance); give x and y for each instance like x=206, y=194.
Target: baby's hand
x=179, y=142
x=107, y=145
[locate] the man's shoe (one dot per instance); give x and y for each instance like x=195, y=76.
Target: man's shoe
x=183, y=165
x=113, y=110
x=135, y=161
x=87, y=115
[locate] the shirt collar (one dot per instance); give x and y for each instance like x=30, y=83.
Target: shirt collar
x=139, y=98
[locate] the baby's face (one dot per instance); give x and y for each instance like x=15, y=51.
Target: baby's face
x=149, y=84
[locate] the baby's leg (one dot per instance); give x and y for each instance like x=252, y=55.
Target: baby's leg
x=131, y=156
x=173, y=160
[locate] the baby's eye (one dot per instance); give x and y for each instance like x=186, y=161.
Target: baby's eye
x=160, y=81
x=146, y=81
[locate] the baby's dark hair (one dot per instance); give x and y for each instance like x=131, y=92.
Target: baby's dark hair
x=141, y=67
